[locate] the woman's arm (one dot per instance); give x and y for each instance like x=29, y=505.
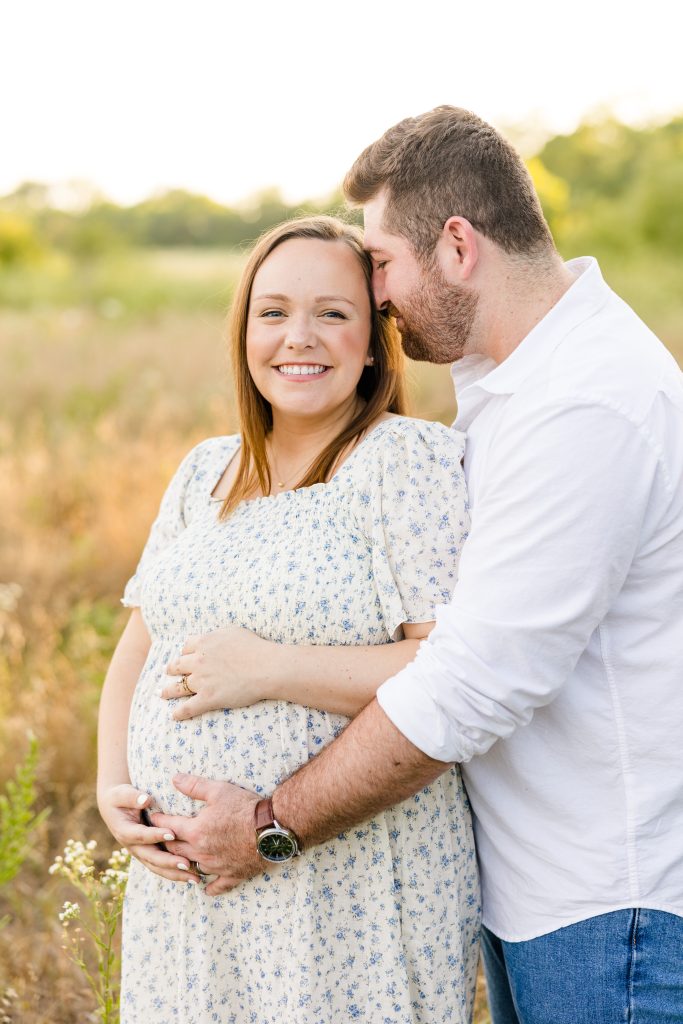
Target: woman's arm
x=234, y=668
x=120, y=803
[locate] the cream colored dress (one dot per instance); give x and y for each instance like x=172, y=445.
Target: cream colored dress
x=380, y=924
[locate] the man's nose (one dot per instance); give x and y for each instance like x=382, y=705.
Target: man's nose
x=379, y=291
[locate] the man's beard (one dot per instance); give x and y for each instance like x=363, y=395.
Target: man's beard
x=437, y=319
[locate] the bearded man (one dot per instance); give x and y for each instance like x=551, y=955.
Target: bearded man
x=553, y=676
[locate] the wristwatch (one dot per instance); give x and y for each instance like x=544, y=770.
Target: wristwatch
x=274, y=842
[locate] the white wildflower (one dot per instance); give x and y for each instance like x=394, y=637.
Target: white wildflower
x=70, y=911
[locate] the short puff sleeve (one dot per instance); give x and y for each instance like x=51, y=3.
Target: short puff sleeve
x=412, y=507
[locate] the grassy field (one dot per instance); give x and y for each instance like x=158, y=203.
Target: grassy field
x=106, y=382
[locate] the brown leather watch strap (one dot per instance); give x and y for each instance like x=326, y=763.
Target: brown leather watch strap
x=263, y=814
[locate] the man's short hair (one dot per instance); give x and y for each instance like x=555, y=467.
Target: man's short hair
x=444, y=163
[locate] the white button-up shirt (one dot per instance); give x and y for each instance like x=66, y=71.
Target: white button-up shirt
x=556, y=672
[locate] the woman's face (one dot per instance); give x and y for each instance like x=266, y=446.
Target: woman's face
x=308, y=328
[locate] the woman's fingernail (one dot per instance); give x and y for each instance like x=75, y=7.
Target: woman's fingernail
x=141, y=799
x=168, y=835
x=182, y=867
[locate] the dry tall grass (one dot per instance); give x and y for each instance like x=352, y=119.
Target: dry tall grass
x=97, y=407
x=95, y=416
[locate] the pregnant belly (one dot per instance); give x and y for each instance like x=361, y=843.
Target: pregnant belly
x=255, y=747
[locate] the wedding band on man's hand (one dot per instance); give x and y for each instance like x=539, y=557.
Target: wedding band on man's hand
x=185, y=687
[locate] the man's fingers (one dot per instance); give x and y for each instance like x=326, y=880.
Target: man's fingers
x=181, y=849
x=176, y=823
x=219, y=886
x=193, y=786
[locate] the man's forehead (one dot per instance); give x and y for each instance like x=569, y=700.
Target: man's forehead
x=375, y=237
x=378, y=242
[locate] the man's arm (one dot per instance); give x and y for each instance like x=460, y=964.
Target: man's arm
x=370, y=767
x=555, y=529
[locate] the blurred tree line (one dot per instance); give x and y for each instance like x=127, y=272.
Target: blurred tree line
x=33, y=224
x=609, y=189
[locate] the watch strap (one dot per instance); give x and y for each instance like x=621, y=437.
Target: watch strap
x=263, y=814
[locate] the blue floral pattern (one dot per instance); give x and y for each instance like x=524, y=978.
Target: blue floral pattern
x=380, y=925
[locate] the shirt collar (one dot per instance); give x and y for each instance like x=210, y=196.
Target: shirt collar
x=477, y=377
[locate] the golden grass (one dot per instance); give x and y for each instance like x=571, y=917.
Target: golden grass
x=95, y=417
x=96, y=413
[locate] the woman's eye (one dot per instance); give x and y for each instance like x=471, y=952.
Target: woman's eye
x=381, y=265
x=335, y=313
x=271, y=313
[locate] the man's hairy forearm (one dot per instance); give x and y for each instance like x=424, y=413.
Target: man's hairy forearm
x=367, y=769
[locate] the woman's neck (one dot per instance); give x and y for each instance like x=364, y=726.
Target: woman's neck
x=294, y=438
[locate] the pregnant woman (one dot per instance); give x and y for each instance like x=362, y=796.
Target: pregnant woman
x=331, y=519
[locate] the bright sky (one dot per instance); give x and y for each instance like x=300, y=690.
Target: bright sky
x=226, y=98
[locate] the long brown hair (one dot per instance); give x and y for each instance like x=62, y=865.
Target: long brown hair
x=381, y=386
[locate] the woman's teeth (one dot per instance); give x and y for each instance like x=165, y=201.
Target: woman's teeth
x=301, y=371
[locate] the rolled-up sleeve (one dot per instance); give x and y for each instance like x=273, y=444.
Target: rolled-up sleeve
x=555, y=528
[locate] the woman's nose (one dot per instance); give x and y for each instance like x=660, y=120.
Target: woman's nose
x=299, y=333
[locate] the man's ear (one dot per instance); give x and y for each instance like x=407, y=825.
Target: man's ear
x=459, y=247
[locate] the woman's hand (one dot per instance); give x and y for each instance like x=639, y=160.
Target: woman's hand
x=121, y=809
x=230, y=668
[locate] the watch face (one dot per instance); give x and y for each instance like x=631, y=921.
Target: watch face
x=276, y=846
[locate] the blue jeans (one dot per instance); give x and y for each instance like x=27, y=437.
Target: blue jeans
x=620, y=968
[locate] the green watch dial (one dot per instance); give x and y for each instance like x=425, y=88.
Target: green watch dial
x=276, y=846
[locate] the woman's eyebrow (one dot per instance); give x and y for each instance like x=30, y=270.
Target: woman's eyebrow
x=334, y=298
x=279, y=297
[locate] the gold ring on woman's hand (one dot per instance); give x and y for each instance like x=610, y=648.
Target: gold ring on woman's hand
x=186, y=687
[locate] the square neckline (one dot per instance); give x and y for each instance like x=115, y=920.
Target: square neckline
x=311, y=487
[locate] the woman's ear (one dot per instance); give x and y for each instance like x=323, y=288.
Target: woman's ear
x=459, y=247
x=369, y=359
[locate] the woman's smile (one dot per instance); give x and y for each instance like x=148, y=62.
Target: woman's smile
x=300, y=373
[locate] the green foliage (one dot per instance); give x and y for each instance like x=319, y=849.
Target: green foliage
x=17, y=818
x=608, y=189
x=625, y=191
x=19, y=242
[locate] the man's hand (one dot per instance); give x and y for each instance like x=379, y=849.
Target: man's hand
x=221, y=838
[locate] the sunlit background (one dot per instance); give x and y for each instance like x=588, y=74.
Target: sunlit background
x=226, y=99
x=142, y=146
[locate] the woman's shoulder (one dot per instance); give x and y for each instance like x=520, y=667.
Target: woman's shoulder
x=206, y=456
x=406, y=460
x=408, y=434
x=211, y=447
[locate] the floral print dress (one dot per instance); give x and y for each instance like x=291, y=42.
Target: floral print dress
x=380, y=924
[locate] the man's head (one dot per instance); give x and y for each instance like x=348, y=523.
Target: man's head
x=439, y=191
